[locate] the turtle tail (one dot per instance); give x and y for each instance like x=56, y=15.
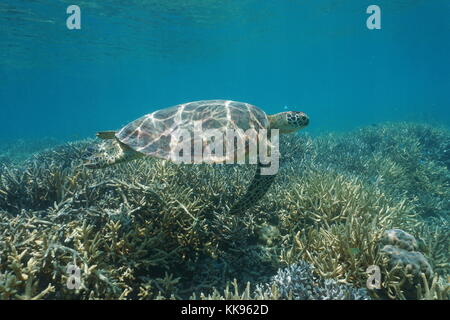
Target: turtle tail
x=255, y=191
x=106, y=134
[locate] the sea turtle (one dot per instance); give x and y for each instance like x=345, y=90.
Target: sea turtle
x=153, y=135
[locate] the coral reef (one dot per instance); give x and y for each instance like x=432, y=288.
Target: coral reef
x=299, y=282
x=149, y=224
x=434, y=235
x=403, y=159
x=19, y=150
x=296, y=282
x=151, y=229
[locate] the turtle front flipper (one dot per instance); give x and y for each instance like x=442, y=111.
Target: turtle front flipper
x=110, y=153
x=255, y=191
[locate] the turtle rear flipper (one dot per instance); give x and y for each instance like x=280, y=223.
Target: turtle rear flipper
x=110, y=153
x=255, y=191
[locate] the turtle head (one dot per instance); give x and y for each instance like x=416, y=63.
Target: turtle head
x=289, y=121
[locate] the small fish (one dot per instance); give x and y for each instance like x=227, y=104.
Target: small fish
x=353, y=251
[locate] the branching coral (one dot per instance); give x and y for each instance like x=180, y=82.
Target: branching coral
x=403, y=159
x=18, y=150
x=335, y=222
x=151, y=229
x=126, y=226
x=297, y=282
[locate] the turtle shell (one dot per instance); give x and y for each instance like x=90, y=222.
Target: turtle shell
x=157, y=134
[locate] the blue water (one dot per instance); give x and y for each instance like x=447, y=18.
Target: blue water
x=131, y=59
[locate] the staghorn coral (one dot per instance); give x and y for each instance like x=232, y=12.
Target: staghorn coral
x=150, y=229
x=434, y=234
x=124, y=227
x=403, y=159
x=18, y=150
x=335, y=222
x=296, y=282
x=339, y=228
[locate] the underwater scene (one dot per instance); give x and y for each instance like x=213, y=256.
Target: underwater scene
x=225, y=150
